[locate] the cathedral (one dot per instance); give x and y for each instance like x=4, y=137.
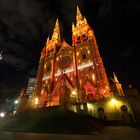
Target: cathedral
x=65, y=70
x=74, y=77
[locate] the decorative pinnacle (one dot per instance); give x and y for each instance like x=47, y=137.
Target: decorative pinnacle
x=73, y=26
x=115, y=78
x=48, y=39
x=85, y=19
x=56, y=31
x=78, y=16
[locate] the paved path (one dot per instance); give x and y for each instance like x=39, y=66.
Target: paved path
x=109, y=133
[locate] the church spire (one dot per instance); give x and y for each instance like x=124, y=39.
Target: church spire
x=115, y=78
x=56, y=31
x=118, y=85
x=79, y=17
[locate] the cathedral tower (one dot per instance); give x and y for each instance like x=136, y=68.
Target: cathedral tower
x=91, y=71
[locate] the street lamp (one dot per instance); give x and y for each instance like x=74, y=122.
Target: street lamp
x=16, y=102
x=2, y=114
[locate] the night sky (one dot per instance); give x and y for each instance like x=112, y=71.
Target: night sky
x=26, y=24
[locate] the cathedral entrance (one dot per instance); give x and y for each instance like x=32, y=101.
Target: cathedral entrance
x=64, y=97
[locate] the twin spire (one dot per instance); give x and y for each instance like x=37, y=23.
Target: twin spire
x=78, y=16
x=56, y=31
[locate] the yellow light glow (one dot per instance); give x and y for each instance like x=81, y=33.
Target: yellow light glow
x=36, y=101
x=77, y=53
x=88, y=52
x=45, y=66
x=93, y=77
x=90, y=106
x=73, y=92
x=57, y=58
x=113, y=101
x=79, y=61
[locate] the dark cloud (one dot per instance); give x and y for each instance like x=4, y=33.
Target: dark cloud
x=5, y=90
x=15, y=61
x=110, y=8
x=129, y=50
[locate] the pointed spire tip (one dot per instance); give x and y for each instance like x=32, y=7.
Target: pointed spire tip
x=56, y=31
x=79, y=16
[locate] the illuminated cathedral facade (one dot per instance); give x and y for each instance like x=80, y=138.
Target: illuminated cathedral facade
x=74, y=76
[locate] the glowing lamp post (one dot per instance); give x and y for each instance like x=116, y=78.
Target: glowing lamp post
x=2, y=114
x=16, y=102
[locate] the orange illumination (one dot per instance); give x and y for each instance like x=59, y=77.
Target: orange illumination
x=73, y=92
x=41, y=92
x=93, y=77
x=36, y=101
x=80, y=81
